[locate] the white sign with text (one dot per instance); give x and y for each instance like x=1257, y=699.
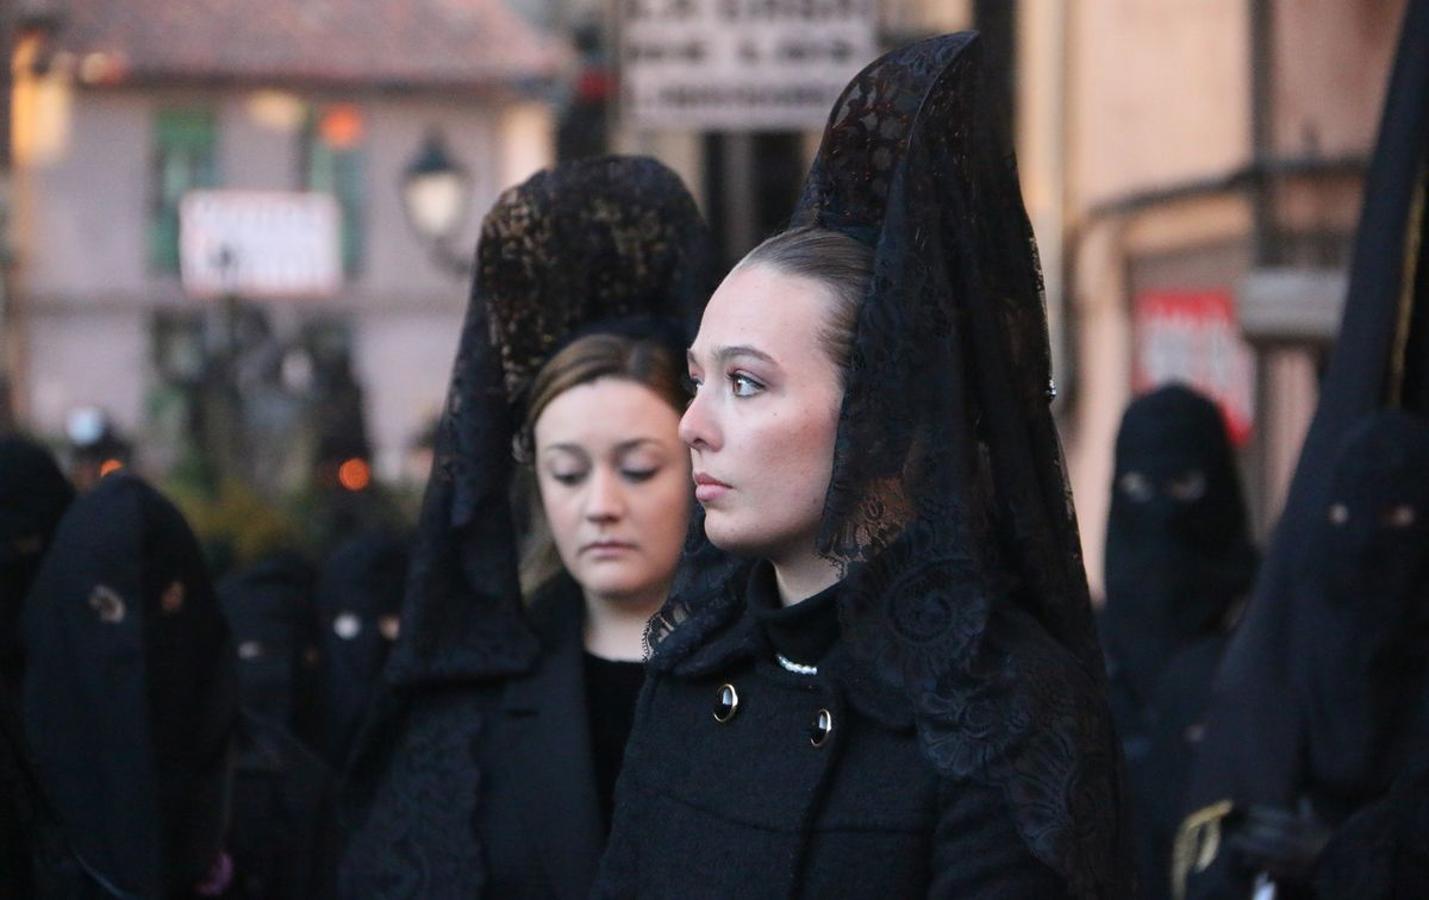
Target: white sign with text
x=737, y=65
x=260, y=244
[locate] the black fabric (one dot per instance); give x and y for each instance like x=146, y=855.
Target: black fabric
x=1252, y=732
x=475, y=772
x=130, y=691
x=1382, y=852
x=1358, y=643
x=802, y=632
x=1179, y=561
x=611, y=687
x=752, y=808
x=33, y=496
x=358, y=596
x=1159, y=777
x=24, y=823
x=948, y=504
x=282, y=833
x=587, y=242
x=1360, y=637
x=269, y=611
x=486, y=788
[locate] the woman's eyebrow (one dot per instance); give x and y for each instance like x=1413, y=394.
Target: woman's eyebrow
x=724, y=354
x=636, y=443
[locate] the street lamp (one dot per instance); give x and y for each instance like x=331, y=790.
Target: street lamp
x=436, y=192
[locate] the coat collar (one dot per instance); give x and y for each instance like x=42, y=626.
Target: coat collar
x=738, y=638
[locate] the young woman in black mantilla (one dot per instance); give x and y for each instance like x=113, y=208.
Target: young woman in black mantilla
x=877, y=675
x=500, y=728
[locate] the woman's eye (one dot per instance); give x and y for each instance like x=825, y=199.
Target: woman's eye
x=570, y=479
x=744, y=386
x=690, y=383
x=638, y=475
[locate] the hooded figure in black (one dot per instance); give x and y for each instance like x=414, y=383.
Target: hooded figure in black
x=33, y=497
x=1360, y=641
x=934, y=723
x=1252, y=757
x=1179, y=561
x=359, y=607
x=130, y=700
x=1359, y=646
x=269, y=607
x=475, y=774
x=282, y=833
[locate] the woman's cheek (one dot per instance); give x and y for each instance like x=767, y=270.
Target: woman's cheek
x=562, y=516
x=668, y=513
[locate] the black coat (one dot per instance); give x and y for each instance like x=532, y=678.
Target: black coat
x=482, y=788
x=751, y=807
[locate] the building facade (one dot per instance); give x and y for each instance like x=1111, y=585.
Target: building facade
x=120, y=109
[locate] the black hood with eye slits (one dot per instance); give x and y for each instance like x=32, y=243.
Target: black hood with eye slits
x=1361, y=635
x=130, y=696
x=1174, y=566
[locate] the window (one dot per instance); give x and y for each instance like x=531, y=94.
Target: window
x=184, y=141
x=333, y=163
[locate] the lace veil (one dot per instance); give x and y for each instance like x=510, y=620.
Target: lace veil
x=589, y=242
x=948, y=506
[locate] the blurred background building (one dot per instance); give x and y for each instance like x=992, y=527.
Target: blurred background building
x=1192, y=169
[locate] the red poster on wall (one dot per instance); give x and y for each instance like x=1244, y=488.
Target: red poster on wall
x=1193, y=337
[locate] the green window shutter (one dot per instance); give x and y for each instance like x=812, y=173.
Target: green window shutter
x=185, y=141
x=335, y=164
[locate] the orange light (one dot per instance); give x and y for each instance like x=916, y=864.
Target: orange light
x=354, y=475
x=109, y=467
x=341, y=127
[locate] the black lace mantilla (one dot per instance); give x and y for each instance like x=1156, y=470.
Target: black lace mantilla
x=587, y=242
x=948, y=506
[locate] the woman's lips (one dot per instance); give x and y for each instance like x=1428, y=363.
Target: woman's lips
x=599, y=549
x=709, y=488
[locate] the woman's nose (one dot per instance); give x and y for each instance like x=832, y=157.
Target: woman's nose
x=697, y=428
x=605, y=502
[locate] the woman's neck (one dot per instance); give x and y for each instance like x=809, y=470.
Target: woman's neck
x=615, y=626
x=803, y=576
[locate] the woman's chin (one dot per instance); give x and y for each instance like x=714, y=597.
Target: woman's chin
x=620, y=587
x=730, y=537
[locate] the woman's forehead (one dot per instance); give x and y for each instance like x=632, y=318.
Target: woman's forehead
x=763, y=309
x=607, y=412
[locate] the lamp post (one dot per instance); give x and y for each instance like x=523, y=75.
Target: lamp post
x=436, y=193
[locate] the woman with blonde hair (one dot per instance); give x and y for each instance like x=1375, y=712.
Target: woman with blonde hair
x=488, y=766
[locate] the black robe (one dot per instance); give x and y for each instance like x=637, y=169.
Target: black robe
x=483, y=787
x=282, y=832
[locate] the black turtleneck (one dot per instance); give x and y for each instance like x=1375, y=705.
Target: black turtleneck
x=611, y=689
x=802, y=632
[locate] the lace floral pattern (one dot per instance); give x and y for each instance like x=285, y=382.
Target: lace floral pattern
x=948, y=507
x=416, y=836
x=588, y=242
